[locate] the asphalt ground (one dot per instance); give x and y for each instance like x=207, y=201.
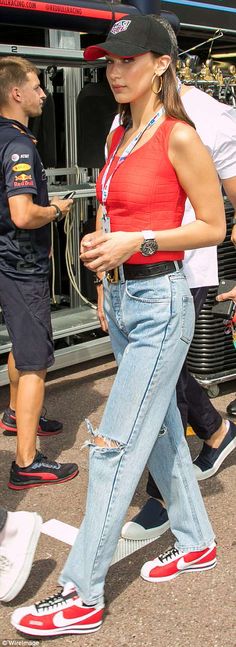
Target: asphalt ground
x=197, y=610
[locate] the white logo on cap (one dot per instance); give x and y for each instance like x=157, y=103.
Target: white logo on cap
x=122, y=25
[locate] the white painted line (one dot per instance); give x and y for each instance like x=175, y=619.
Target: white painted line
x=60, y=530
x=67, y=533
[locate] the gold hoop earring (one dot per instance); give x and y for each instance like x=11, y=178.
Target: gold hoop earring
x=156, y=76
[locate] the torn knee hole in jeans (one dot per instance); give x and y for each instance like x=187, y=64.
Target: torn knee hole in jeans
x=102, y=442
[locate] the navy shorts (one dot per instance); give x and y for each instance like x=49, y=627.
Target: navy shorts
x=26, y=309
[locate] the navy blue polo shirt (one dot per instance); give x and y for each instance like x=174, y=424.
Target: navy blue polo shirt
x=24, y=253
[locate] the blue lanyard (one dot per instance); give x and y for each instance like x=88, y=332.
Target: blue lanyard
x=107, y=181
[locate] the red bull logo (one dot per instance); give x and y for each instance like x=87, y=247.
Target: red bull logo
x=23, y=177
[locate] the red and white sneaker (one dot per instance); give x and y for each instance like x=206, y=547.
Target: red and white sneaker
x=174, y=562
x=62, y=613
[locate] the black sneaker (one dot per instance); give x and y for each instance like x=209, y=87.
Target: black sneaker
x=46, y=426
x=42, y=471
x=150, y=523
x=209, y=460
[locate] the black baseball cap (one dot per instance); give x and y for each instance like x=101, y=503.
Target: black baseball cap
x=132, y=36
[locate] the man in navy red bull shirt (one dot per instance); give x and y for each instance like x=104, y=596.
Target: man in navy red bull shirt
x=25, y=217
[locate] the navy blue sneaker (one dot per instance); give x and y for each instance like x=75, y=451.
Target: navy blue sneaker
x=209, y=460
x=150, y=523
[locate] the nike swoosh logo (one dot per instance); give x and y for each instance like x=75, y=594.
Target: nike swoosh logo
x=60, y=621
x=181, y=564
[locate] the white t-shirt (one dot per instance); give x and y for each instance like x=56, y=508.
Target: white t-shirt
x=216, y=125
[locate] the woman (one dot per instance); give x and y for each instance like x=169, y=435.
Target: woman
x=155, y=159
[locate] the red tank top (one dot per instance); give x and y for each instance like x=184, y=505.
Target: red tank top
x=145, y=192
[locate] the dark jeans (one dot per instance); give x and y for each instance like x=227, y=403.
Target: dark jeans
x=3, y=517
x=193, y=402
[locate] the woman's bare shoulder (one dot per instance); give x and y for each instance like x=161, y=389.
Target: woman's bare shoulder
x=183, y=135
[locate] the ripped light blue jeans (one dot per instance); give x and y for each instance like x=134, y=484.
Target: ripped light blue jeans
x=151, y=324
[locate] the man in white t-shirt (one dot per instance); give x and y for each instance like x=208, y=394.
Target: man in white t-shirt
x=216, y=124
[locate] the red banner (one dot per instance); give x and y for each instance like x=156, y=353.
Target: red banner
x=71, y=10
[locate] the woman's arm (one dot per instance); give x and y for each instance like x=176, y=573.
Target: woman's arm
x=198, y=177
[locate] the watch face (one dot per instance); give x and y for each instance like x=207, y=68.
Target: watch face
x=149, y=247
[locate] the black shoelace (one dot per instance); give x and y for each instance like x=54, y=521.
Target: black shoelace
x=55, y=600
x=43, y=460
x=169, y=553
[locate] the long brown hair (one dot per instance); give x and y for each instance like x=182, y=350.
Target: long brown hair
x=169, y=96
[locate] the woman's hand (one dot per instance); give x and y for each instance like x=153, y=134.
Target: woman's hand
x=102, y=252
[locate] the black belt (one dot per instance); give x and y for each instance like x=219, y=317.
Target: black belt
x=133, y=272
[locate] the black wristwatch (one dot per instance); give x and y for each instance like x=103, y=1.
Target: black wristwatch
x=58, y=214
x=149, y=246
